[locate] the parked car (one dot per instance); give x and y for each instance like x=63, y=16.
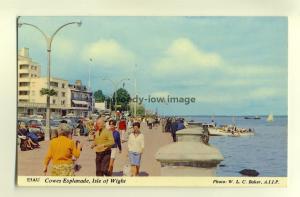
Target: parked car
x=36, y=126
x=72, y=122
x=23, y=119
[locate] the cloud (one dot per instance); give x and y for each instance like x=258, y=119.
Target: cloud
x=244, y=95
x=264, y=93
x=63, y=47
x=108, y=53
x=184, y=57
x=254, y=70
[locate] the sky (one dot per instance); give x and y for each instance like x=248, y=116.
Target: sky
x=230, y=65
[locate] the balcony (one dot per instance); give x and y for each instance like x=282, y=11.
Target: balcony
x=23, y=97
x=24, y=71
x=24, y=88
x=79, y=98
x=23, y=79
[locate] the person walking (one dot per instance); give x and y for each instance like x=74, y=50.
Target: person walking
x=174, y=128
x=122, y=128
x=61, y=151
x=135, y=148
x=180, y=124
x=90, y=128
x=102, y=146
x=116, y=146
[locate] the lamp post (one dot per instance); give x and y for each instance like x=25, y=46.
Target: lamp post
x=89, y=84
x=135, y=104
x=115, y=85
x=49, y=40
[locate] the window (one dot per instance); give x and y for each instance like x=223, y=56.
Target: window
x=63, y=94
x=23, y=92
x=53, y=101
x=24, y=66
x=54, y=84
x=62, y=102
x=24, y=75
x=22, y=84
x=63, y=85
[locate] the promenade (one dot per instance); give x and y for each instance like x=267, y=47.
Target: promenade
x=30, y=163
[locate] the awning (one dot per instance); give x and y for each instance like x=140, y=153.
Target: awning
x=80, y=102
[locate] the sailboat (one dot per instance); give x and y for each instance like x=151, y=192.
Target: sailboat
x=270, y=118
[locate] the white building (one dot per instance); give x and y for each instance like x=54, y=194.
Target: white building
x=59, y=104
x=70, y=98
x=100, y=106
x=27, y=70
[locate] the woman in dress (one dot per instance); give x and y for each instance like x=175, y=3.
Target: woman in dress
x=135, y=148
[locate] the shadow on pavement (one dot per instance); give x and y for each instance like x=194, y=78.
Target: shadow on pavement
x=120, y=173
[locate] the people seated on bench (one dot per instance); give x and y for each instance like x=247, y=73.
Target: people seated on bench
x=26, y=142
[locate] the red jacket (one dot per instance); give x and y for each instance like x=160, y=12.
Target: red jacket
x=122, y=125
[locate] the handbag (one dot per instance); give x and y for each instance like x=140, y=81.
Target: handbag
x=127, y=170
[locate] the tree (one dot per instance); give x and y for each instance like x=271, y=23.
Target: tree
x=99, y=96
x=140, y=109
x=123, y=99
x=45, y=91
x=108, y=102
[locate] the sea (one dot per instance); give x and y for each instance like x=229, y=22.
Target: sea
x=265, y=152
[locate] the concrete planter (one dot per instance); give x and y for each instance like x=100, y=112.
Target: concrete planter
x=190, y=156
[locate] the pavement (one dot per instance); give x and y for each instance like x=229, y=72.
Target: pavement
x=30, y=163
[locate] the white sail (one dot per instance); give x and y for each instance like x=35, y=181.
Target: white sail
x=270, y=118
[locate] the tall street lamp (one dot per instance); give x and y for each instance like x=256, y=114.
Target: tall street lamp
x=135, y=89
x=89, y=84
x=49, y=40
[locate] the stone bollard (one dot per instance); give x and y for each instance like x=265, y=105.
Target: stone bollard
x=190, y=156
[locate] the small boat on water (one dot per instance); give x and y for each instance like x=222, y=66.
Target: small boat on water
x=252, y=117
x=270, y=118
x=228, y=130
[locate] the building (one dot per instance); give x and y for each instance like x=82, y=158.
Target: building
x=27, y=70
x=100, y=106
x=75, y=99
x=82, y=103
x=59, y=104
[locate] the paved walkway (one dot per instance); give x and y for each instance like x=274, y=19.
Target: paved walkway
x=30, y=163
